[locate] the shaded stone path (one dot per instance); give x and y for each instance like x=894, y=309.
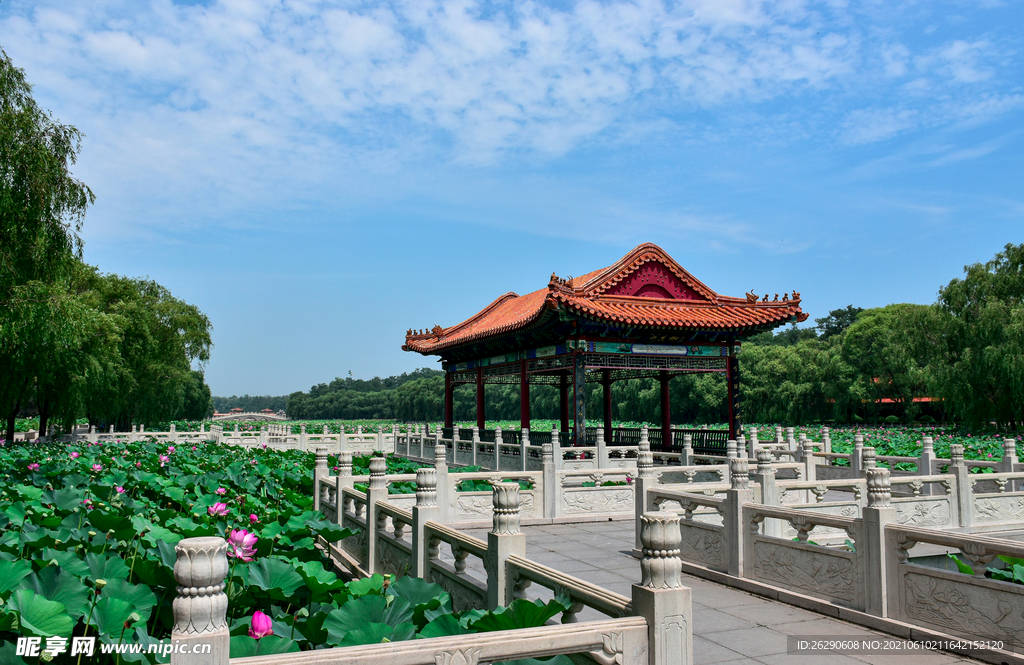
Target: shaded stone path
x=730, y=626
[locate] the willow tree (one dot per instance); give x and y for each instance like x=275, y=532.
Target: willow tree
x=42, y=206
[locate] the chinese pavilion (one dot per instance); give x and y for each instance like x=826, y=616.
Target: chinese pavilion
x=644, y=316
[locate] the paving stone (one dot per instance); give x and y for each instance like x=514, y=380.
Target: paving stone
x=706, y=652
x=707, y=620
x=808, y=659
x=756, y=641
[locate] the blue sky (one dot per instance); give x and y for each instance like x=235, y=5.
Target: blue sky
x=320, y=176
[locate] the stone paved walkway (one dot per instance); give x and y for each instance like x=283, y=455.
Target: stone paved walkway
x=730, y=626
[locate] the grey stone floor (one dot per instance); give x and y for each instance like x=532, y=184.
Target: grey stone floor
x=730, y=626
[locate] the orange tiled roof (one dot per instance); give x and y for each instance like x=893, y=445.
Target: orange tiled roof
x=646, y=288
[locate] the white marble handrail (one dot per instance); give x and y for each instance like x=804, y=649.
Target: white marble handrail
x=579, y=591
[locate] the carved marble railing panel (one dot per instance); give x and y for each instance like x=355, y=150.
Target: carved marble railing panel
x=486, y=460
x=404, y=501
x=395, y=556
x=464, y=457
x=589, y=500
x=821, y=572
x=703, y=544
x=533, y=464
x=838, y=508
x=467, y=593
x=355, y=545
x=933, y=511
x=989, y=508
x=579, y=464
x=478, y=506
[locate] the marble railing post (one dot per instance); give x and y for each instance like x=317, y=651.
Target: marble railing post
x=174, y=433
x=778, y=434
x=735, y=530
x=602, y=449
x=426, y=509
x=303, y=441
x=686, y=456
x=810, y=462
x=644, y=481
x=660, y=598
x=132, y=435
x=476, y=443
x=263, y=434
x=376, y=491
x=200, y=608
x=800, y=447
x=867, y=460
x=503, y=540
x=754, y=445
x=826, y=440
x=93, y=437
x=498, y=441
x=524, y=441
x=343, y=480
x=769, y=490
x=1009, y=463
x=549, y=475
x=964, y=491
x=857, y=457
x=557, y=455
x=741, y=445
x=731, y=449
x=791, y=440
x=320, y=470
x=445, y=485
x=926, y=465
x=876, y=515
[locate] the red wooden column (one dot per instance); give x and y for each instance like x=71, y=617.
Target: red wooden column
x=563, y=402
x=448, y=401
x=524, y=396
x=666, y=412
x=606, y=381
x=480, y=397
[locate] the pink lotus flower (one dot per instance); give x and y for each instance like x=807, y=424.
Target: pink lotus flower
x=218, y=509
x=170, y=449
x=164, y=459
x=193, y=448
x=33, y=466
x=253, y=519
x=261, y=625
x=242, y=544
x=97, y=467
x=120, y=490
x=75, y=454
x=221, y=490
x=138, y=465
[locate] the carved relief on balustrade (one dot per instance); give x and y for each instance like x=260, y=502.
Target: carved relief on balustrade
x=478, y=506
x=1008, y=508
x=403, y=501
x=923, y=511
x=393, y=559
x=591, y=500
x=464, y=596
x=820, y=574
x=843, y=510
x=701, y=545
x=974, y=607
x=355, y=545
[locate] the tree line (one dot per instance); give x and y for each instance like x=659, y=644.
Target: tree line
x=960, y=358
x=75, y=342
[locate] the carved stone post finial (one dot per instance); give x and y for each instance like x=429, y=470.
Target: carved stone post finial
x=505, y=500
x=1010, y=448
x=764, y=462
x=660, y=537
x=200, y=609
x=956, y=454
x=731, y=449
x=497, y=442
x=525, y=440
x=868, y=457
x=546, y=454
x=320, y=470
x=927, y=444
x=644, y=457
x=879, y=488
x=426, y=487
x=739, y=473
x=345, y=463
x=378, y=467
x=686, y=456
x=555, y=443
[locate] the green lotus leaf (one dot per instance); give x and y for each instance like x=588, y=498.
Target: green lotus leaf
x=367, y=609
x=443, y=626
x=8, y=622
x=243, y=646
x=110, y=614
x=59, y=585
x=12, y=573
x=68, y=561
x=521, y=613
x=39, y=616
x=320, y=582
x=429, y=600
x=102, y=567
x=375, y=633
x=329, y=531
x=374, y=584
x=63, y=499
x=16, y=513
x=278, y=578
x=137, y=595
x=28, y=491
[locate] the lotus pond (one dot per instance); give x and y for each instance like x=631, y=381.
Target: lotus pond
x=87, y=536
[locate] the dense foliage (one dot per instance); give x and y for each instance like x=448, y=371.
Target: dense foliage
x=74, y=342
x=250, y=403
x=88, y=549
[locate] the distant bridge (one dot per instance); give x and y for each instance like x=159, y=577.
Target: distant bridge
x=255, y=415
